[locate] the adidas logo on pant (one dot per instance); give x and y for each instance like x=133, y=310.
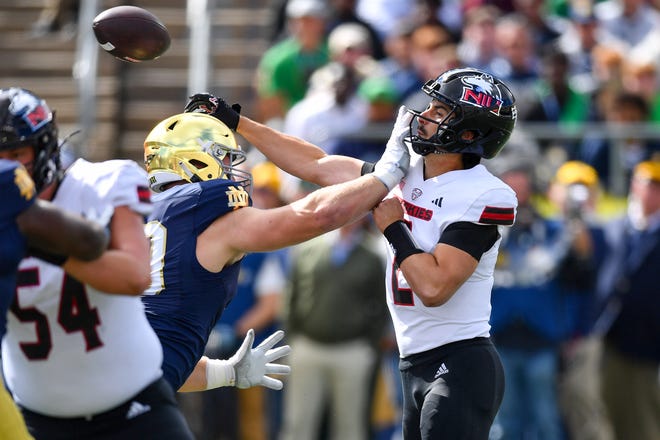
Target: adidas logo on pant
x=442, y=369
x=136, y=409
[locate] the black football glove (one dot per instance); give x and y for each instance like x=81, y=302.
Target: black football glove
x=216, y=107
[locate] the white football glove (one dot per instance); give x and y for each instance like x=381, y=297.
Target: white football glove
x=249, y=366
x=395, y=160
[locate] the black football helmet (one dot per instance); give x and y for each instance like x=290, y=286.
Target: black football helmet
x=479, y=103
x=26, y=120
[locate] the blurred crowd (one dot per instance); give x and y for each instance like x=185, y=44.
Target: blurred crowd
x=337, y=66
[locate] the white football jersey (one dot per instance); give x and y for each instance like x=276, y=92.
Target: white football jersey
x=473, y=195
x=71, y=350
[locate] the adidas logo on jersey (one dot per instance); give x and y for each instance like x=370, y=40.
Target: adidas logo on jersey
x=442, y=369
x=136, y=409
x=437, y=202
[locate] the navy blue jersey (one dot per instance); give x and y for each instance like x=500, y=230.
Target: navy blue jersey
x=18, y=194
x=185, y=300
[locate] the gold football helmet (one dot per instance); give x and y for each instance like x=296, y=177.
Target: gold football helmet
x=193, y=147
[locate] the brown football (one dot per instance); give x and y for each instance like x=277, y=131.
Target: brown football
x=131, y=33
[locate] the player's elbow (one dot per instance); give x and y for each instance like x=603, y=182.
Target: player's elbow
x=137, y=282
x=435, y=294
x=136, y=288
x=141, y=283
x=314, y=175
x=430, y=299
x=327, y=218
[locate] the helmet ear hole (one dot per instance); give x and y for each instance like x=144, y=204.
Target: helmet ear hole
x=197, y=164
x=467, y=136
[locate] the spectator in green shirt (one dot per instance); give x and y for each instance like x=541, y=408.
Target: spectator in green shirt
x=285, y=68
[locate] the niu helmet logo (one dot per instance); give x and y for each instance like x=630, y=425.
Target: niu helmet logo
x=36, y=117
x=481, y=91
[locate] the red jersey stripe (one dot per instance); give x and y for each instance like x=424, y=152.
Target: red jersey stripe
x=144, y=194
x=497, y=216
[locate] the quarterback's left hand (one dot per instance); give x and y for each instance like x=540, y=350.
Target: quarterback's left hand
x=251, y=365
x=387, y=212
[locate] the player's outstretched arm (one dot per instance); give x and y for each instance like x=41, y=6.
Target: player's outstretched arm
x=299, y=157
x=308, y=162
x=294, y=155
x=323, y=210
x=247, y=368
x=61, y=234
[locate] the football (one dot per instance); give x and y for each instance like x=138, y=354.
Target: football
x=131, y=33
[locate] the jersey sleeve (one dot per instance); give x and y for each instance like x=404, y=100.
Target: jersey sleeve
x=473, y=238
x=216, y=198
x=17, y=188
x=126, y=185
x=493, y=207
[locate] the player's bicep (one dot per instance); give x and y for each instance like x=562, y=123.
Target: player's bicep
x=455, y=264
x=127, y=255
x=127, y=233
x=261, y=230
x=460, y=248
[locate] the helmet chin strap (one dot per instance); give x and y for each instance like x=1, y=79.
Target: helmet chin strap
x=428, y=146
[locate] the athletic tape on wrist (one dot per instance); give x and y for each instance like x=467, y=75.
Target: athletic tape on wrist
x=402, y=242
x=219, y=373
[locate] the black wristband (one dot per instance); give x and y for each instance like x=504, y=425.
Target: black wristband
x=367, y=167
x=227, y=115
x=56, y=259
x=402, y=242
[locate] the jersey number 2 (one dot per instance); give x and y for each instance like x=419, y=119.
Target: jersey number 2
x=403, y=296
x=74, y=315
